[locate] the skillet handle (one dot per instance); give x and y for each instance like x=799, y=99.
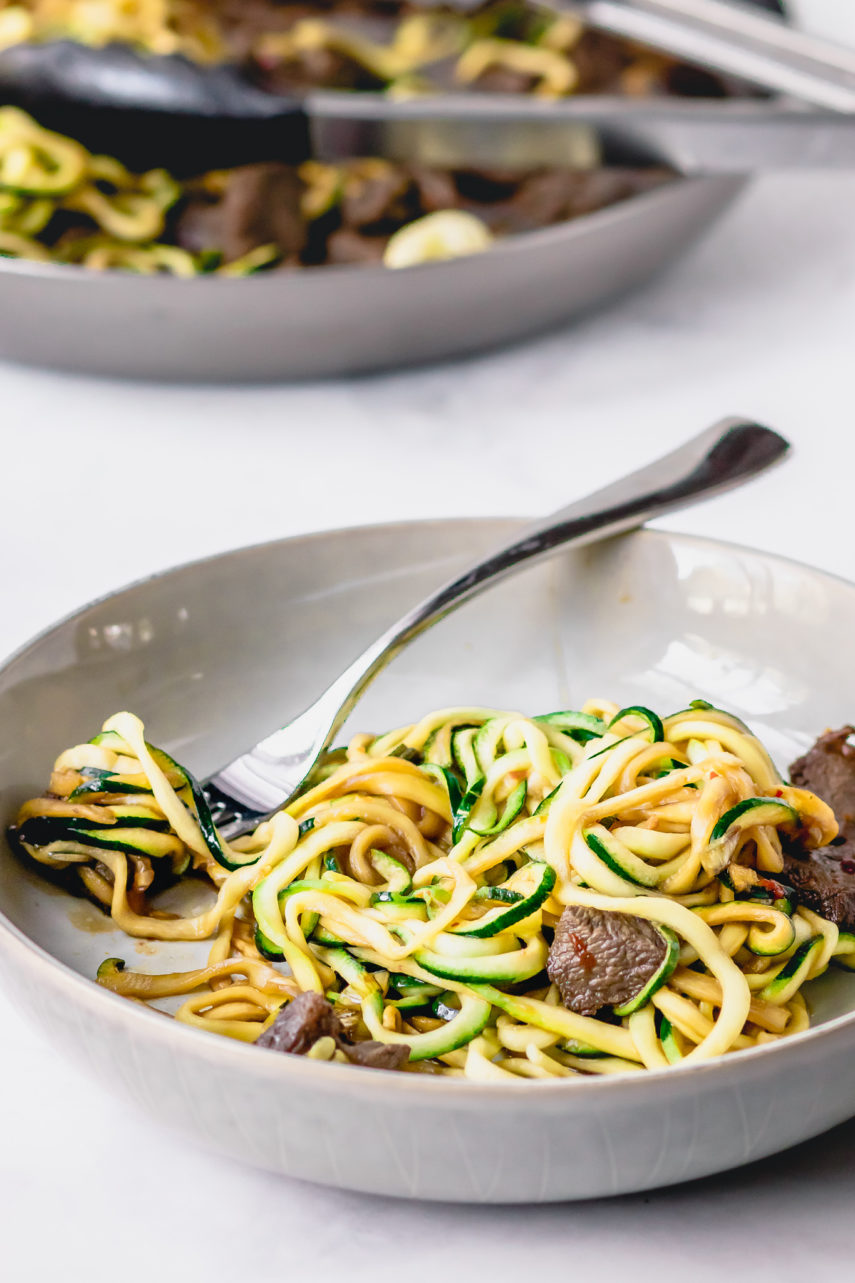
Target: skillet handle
x=152, y=110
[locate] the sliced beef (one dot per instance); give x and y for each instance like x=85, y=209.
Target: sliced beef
x=299, y=1025
x=309, y=1017
x=824, y=880
x=313, y=69
x=499, y=79
x=602, y=959
x=374, y=192
x=596, y=188
x=377, y=1055
x=435, y=188
x=600, y=60
x=259, y=206
x=828, y=769
x=511, y=203
x=607, y=64
x=348, y=246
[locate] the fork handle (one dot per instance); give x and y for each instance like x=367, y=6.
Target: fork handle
x=724, y=456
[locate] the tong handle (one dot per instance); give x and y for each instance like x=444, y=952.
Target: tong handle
x=769, y=31
x=153, y=110
x=736, y=39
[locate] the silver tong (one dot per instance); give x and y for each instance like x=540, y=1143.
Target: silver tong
x=691, y=136
x=736, y=38
x=169, y=111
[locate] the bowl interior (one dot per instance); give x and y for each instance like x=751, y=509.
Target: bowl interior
x=215, y=654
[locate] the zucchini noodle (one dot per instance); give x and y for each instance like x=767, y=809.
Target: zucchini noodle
x=59, y=203
x=418, y=884
x=163, y=26
x=397, y=49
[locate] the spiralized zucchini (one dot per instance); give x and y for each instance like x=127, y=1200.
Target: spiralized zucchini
x=418, y=882
x=163, y=26
x=46, y=178
x=413, y=42
x=44, y=175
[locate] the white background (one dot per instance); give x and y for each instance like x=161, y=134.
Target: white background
x=105, y=482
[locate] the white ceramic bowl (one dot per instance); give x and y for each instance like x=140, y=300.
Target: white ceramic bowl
x=212, y=654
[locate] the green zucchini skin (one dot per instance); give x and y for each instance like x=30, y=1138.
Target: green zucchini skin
x=181, y=778
x=267, y=948
x=583, y=1050
x=758, y=945
x=540, y=880
x=760, y=894
x=502, y=968
x=758, y=941
x=656, y=981
x=460, y=818
x=401, y=909
x=447, y=777
x=668, y=765
x=205, y=820
x=352, y=971
x=669, y=1043
x=579, y=726
x=146, y=839
x=612, y=857
x=753, y=811
x=793, y=974
x=654, y=721
x=500, y=894
x=486, y=742
x=397, y=875
x=437, y=751
x=413, y=994
x=513, y=806
x=467, y=1023
x=846, y=959
x=326, y=939
x=108, y=783
x=543, y=807
x=463, y=754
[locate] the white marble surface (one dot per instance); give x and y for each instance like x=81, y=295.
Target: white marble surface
x=758, y=320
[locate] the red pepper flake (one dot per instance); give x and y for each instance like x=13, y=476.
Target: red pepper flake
x=713, y=775
x=587, y=961
x=778, y=793
x=775, y=887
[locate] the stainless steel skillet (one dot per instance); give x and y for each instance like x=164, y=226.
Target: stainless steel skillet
x=335, y=321
x=346, y=320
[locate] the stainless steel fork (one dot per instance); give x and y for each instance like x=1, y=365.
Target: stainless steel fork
x=266, y=777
